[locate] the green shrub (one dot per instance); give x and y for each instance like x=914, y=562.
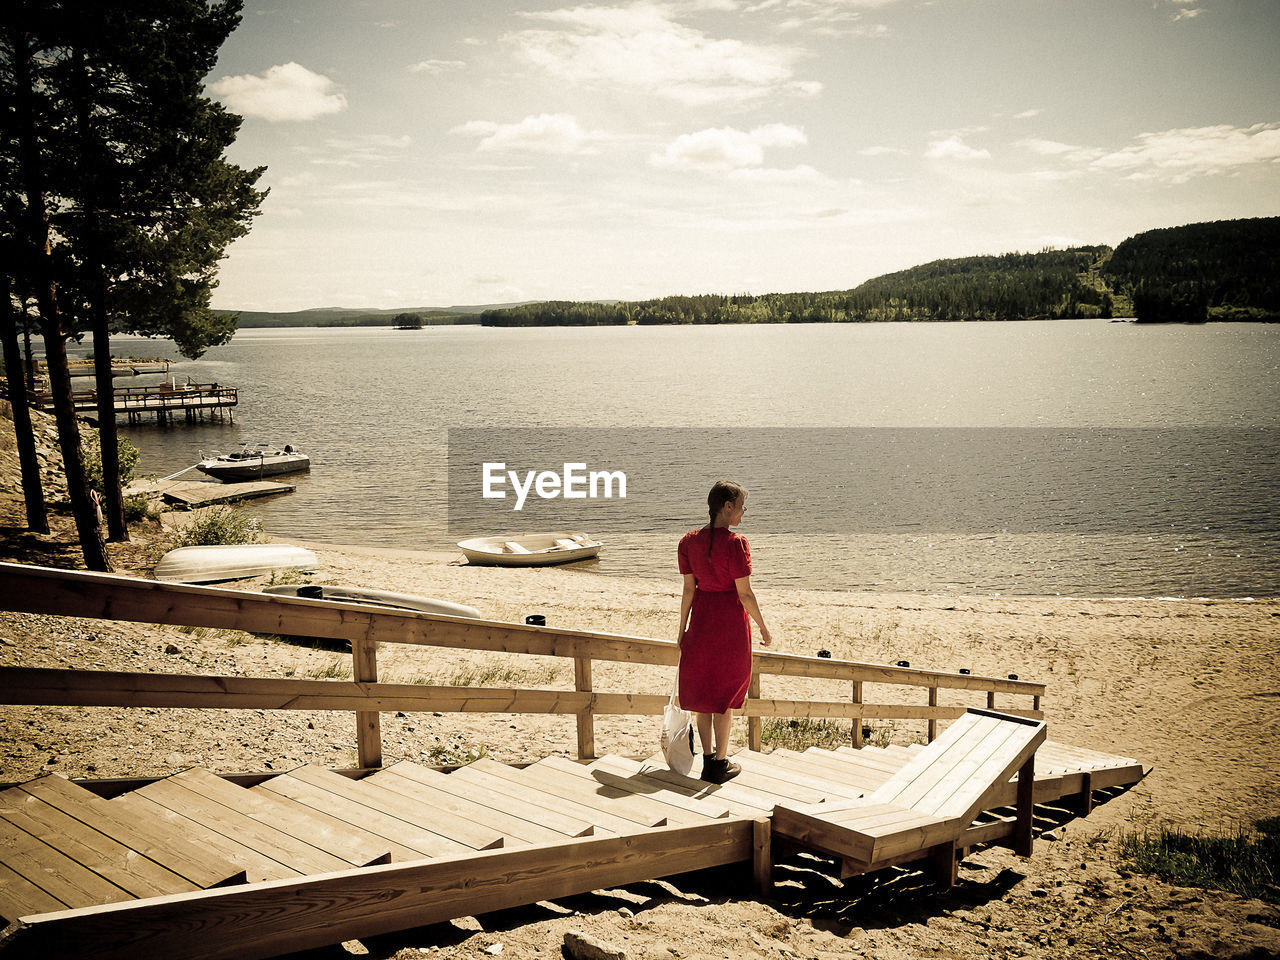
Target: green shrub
x=125, y=450
x=220, y=525
x=799, y=734
x=138, y=507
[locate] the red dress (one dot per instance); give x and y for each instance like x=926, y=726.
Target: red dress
x=715, y=657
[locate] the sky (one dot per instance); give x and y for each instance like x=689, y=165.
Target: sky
x=451, y=152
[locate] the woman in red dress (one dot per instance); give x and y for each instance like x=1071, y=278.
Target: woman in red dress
x=715, y=632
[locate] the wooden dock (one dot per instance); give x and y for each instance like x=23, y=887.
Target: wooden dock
x=194, y=494
x=198, y=865
x=191, y=400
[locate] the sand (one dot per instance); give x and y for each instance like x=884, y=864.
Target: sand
x=1188, y=686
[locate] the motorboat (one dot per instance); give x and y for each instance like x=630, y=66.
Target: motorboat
x=375, y=598
x=529, y=549
x=253, y=463
x=211, y=564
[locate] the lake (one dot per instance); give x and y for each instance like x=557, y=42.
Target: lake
x=1072, y=457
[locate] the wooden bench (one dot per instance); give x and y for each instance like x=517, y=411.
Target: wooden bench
x=924, y=809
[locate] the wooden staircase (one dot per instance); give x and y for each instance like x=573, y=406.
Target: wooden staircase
x=87, y=874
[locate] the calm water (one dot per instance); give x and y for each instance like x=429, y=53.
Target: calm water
x=1087, y=458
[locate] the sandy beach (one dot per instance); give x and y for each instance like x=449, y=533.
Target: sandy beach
x=1187, y=686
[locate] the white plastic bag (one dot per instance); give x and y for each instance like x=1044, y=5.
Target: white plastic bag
x=677, y=735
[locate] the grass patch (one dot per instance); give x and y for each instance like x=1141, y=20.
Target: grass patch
x=444, y=756
x=496, y=673
x=1243, y=862
x=337, y=670
x=778, y=733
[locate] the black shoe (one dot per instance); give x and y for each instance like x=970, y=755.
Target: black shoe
x=719, y=771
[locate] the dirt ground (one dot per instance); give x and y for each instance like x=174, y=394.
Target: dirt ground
x=1189, y=687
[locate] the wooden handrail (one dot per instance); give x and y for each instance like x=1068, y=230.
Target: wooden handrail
x=46, y=590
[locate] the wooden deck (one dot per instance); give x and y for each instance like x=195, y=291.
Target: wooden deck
x=196, y=865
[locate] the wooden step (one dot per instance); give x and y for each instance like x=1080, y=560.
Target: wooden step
x=337, y=795
x=551, y=819
x=355, y=847
x=740, y=800
x=128, y=869
x=231, y=823
x=572, y=799
x=61, y=877
x=157, y=841
x=465, y=800
x=608, y=787
x=797, y=773
x=528, y=803
x=824, y=764
x=19, y=897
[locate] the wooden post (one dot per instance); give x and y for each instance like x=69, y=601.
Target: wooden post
x=945, y=864
x=1086, y=794
x=586, y=716
x=364, y=669
x=762, y=855
x=991, y=699
x=753, y=723
x=1022, y=838
x=933, y=721
x=857, y=721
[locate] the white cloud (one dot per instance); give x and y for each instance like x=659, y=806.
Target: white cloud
x=726, y=148
x=544, y=133
x=880, y=151
x=1028, y=114
x=286, y=92
x=1178, y=155
x=1190, y=14
x=953, y=148
x=436, y=67
x=362, y=151
x=643, y=47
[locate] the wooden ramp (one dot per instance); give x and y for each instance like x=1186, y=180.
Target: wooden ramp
x=195, y=865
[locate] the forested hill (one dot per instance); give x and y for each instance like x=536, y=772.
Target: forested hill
x=1053, y=284
x=1225, y=270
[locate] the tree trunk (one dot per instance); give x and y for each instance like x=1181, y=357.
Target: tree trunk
x=108, y=436
x=32, y=491
x=34, y=236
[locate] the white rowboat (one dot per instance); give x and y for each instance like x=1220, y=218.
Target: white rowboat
x=211, y=564
x=254, y=463
x=378, y=598
x=530, y=549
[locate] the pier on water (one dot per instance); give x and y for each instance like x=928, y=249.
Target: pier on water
x=193, y=401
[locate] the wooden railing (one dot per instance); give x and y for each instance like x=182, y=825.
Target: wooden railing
x=45, y=590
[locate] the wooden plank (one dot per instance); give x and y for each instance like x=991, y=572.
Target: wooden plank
x=252, y=865
x=577, y=797
x=54, y=872
x=952, y=772
x=586, y=720
x=356, y=847
x=126, y=868
x=165, y=846
x=267, y=919
x=243, y=829
x=563, y=826
x=692, y=793
x=873, y=757
x=930, y=764
x=501, y=780
x=364, y=670
x=619, y=790
x=817, y=833
x=865, y=779
x=991, y=776
x=306, y=785
x=771, y=782
x=592, y=793
x=20, y=897
x=458, y=829
x=434, y=789
x=795, y=767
